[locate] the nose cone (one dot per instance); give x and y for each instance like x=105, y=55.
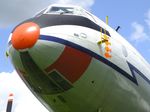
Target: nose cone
x=25, y=36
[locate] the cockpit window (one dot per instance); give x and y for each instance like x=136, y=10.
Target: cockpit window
x=78, y=11
x=61, y=10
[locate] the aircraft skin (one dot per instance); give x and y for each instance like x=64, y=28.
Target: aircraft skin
x=67, y=70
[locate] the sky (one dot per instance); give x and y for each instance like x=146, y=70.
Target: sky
x=132, y=15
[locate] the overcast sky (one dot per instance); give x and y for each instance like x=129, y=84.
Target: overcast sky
x=24, y=101
x=15, y=11
x=132, y=15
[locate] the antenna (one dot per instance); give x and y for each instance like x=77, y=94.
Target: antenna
x=117, y=29
x=107, y=20
x=10, y=102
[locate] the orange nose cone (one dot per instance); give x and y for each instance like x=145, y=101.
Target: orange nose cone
x=25, y=36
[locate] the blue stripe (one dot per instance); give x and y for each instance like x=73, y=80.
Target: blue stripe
x=98, y=57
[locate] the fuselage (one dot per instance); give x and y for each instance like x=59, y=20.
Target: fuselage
x=66, y=68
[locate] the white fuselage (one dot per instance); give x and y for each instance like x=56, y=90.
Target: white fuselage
x=117, y=84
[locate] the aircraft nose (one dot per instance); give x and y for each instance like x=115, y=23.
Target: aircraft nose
x=25, y=36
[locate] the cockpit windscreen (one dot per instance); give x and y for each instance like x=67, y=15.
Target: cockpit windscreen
x=61, y=10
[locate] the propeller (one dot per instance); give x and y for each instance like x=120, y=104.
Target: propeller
x=10, y=102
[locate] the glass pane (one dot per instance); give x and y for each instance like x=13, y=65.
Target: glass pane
x=62, y=10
